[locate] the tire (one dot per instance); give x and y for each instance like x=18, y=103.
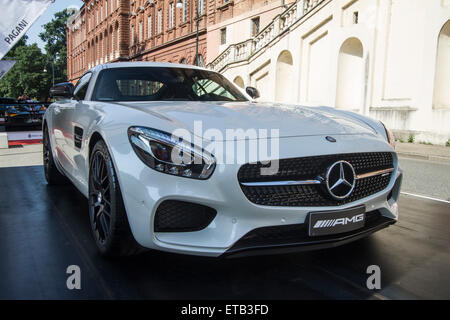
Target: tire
x=52, y=174
x=107, y=215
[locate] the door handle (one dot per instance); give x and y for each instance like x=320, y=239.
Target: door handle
x=57, y=110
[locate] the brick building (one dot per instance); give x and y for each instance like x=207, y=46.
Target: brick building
x=98, y=33
x=162, y=32
x=153, y=30
x=76, y=46
x=134, y=30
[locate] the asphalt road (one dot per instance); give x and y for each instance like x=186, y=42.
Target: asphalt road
x=45, y=229
x=429, y=178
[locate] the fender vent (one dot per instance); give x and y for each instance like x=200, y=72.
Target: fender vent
x=78, y=137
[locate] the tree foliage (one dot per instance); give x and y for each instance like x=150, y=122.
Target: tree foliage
x=54, y=36
x=32, y=73
x=27, y=76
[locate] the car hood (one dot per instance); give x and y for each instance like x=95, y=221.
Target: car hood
x=290, y=120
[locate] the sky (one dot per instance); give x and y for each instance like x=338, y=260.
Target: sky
x=36, y=28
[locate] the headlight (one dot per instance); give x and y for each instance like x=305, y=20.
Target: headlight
x=168, y=154
x=390, y=136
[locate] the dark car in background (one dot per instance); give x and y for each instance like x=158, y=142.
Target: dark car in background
x=22, y=112
x=5, y=102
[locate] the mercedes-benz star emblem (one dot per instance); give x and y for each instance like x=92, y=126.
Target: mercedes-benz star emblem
x=340, y=179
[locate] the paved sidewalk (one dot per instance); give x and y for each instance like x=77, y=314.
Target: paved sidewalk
x=423, y=151
x=28, y=155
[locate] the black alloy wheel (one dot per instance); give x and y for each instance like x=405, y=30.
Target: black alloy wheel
x=52, y=174
x=108, y=218
x=100, y=198
x=45, y=151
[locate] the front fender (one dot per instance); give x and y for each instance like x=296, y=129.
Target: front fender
x=126, y=165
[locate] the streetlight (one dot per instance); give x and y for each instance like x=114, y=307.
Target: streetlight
x=53, y=71
x=197, y=20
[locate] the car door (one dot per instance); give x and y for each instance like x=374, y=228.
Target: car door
x=82, y=118
x=72, y=131
x=60, y=132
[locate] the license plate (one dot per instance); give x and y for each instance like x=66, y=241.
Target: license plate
x=331, y=222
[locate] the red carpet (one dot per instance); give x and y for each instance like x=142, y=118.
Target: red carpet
x=24, y=142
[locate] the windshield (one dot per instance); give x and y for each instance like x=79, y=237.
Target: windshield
x=164, y=84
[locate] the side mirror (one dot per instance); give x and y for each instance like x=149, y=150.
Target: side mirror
x=62, y=90
x=252, y=92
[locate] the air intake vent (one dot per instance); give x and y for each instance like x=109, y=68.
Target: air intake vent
x=181, y=216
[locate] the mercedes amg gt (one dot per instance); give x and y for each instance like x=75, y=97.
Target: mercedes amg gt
x=135, y=138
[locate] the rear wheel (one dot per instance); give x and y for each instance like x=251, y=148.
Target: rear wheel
x=109, y=223
x=52, y=174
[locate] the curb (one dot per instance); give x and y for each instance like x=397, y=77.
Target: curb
x=3, y=140
x=419, y=156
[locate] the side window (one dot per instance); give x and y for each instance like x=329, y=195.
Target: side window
x=82, y=86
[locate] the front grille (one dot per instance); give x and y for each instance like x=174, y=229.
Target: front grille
x=298, y=234
x=310, y=168
x=182, y=216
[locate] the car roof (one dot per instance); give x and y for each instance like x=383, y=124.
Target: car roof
x=144, y=64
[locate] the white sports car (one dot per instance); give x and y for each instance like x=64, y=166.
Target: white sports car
x=177, y=158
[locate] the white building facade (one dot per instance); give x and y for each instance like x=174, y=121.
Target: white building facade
x=388, y=59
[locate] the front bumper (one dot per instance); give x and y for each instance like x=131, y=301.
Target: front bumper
x=294, y=238
x=144, y=190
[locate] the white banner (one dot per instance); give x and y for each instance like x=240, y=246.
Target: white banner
x=17, y=16
x=25, y=135
x=5, y=65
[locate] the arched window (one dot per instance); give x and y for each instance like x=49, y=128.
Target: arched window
x=100, y=50
x=117, y=40
x=284, y=78
x=350, y=79
x=239, y=82
x=92, y=53
x=111, y=43
x=89, y=53
x=96, y=51
x=183, y=61
x=441, y=96
x=105, y=46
